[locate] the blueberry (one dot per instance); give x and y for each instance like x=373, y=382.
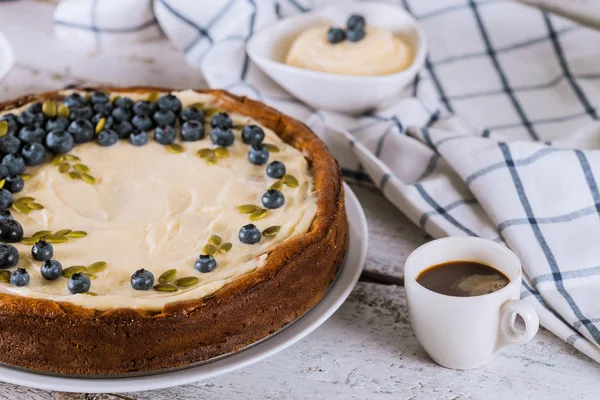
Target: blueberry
x=121, y=114
x=356, y=21
x=28, y=118
x=222, y=137
x=142, y=280
x=82, y=130
x=14, y=183
x=14, y=163
x=100, y=98
x=35, y=108
x=253, y=134
x=5, y=199
x=138, y=138
x=11, y=231
x=191, y=131
x=32, y=135
x=168, y=102
x=124, y=102
x=221, y=120
x=33, y=154
x=356, y=35
x=249, y=234
x=78, y=283
x=336, y=35
x=142, y=122
x=276, y=170
x=51, y=270
x=164, y=117
x=9, y=144
x=272, y=199
x=81, y=113
x=57, y=123
x=3, y=172
x=164, y=135
x=192, y=114
x=42, y=251
x=59, y=141
x=205, y=263
x=107, y=137
x=19, y=277
x=74, y=100
x=144, y=107
x=5, y=214
x=13, y=123
x=9, y=256
x=108, y=121
x=103, y=109
x=258, y=154
x=123, y=129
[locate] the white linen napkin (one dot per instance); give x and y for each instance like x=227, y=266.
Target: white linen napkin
x=513, y=165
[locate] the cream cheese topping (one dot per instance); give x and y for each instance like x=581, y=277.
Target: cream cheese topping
x=380, y=52
x=155, y=210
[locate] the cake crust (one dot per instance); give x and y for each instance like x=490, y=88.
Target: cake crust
x=59, y=337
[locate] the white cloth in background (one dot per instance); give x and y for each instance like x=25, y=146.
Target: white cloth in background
x=522, y=84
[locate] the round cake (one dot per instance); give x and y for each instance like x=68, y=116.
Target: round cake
x=145, y=228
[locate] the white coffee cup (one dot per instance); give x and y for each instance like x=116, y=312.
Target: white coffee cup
x=467, y=332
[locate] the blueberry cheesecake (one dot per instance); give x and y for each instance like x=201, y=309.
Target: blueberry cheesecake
x=143, y=228
x=355, y=49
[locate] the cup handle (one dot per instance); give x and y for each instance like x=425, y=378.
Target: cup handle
x=529, y=315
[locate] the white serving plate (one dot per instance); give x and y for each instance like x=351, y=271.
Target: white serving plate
x=333, y=299
x=342, y=93
x=7, y=58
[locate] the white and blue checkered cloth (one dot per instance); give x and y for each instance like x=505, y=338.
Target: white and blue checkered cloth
x=498, y=136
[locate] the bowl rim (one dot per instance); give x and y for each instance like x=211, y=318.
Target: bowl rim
x=415, y=66
x=9, y=61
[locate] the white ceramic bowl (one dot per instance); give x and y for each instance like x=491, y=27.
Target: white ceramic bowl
x=342, y=93
x=6, y=57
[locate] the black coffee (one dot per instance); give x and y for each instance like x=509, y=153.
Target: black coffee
x=462, y=279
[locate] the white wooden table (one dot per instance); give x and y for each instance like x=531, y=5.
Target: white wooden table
x=367, y=349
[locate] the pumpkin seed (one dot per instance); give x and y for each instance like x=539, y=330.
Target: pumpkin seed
x=165, y=287
x=74, y=175
x=211, y=159
x=278, y=185
x=209, y=249
x=167, y=276
x=49, y=108
x=3, y=128
x=225, y=247
x=63, y=111
x=64, y=167
x=271, y=147
x=81, y=168
x=76, y=269
x=152, y=97
x=221, y=152
x=21, y=208
x=24, y=199
x=96, y=267
x=26, y=177
x=88, y=178
x=63, y=232
x=34, y=206
x=28, y=240
x=209, y=112
x=41, y=234
x=72, y=158
x=115, y=99
x=174, y=148
x=197, y=106
x=258, y=214
x=5, y=276
x=248, y=208
x=271, y=231
x=100, y=125
x=187, y=281
x=214, y=239
x=90, y=294
x=56, y=159
x=290, y=180
x=238, y=126
x=2, y=182
x=56, y=239
x=203, y=153
x=89, y=275
x=77, y=234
